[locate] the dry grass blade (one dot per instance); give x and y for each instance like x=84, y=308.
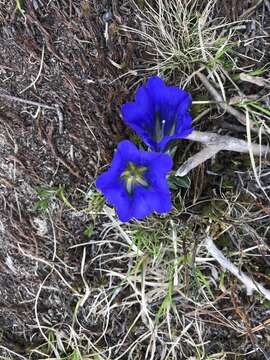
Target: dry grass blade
x=220, y=101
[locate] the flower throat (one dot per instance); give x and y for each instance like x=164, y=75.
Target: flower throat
x=133, y=176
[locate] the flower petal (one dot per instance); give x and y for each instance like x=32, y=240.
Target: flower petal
x=160, y=201
x=139, y=115
x=184, y=122
x=160, y=163
x=144, y=199
x=126, y=150
x=168, y=100
x=141, y=207
x=155, y=102
x=117, y=195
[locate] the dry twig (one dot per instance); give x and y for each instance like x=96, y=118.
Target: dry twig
x=55, y=107
x=250, y=284
x=215, y=143
x=249, y=11
x=27, y=102
x=226, y=107
x=33, y=83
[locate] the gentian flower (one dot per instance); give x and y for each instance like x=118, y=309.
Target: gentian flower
x=136, y=182
x=159, y=114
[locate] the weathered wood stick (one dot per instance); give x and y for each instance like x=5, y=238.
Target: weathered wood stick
x=215, y=143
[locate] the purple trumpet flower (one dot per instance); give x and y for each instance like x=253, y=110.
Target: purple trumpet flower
x=136, y=182
x=159, y=113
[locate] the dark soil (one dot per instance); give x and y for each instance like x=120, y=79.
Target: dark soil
x=39, y=148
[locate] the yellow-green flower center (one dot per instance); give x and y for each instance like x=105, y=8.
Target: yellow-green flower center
x=133, y=176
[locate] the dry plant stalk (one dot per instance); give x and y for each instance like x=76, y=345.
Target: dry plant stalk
x=249, y=284
x=27, y=102
x=218, y=98
x=55, y=107
x=215, y=143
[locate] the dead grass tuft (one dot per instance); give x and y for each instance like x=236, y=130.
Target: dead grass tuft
x=181, y=36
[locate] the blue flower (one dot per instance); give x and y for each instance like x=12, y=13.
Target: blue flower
x=136, y=182
x=159, y=114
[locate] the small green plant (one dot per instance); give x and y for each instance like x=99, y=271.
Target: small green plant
x=74, y=356
x=95, y=201
x=19, y=7
x=254, y=106
x=45, y=194
x=88, y=231
x=168, y=300
x=223, y=55
x=146, y=242
x=202, y=281
x=177, y=183
x=257, y=72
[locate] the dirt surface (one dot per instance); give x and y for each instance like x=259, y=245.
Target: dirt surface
x=53, y=54
x=71, y=54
